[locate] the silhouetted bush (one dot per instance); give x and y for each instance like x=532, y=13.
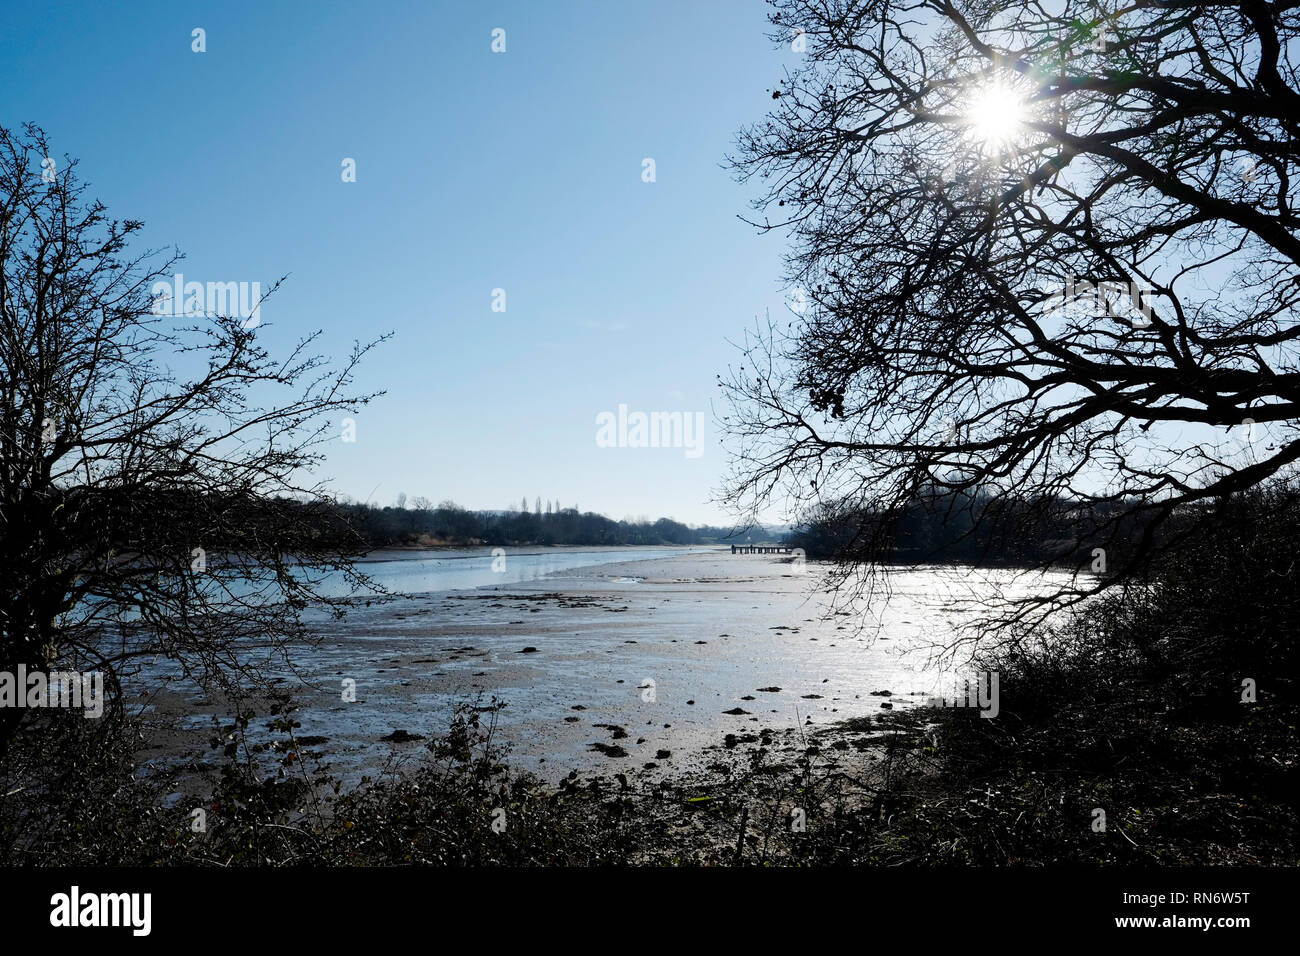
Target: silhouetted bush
x=1135, y=707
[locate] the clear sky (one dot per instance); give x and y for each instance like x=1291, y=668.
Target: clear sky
x=475, y=171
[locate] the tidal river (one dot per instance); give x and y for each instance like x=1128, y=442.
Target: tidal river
x=608, y=657
x=422, y=572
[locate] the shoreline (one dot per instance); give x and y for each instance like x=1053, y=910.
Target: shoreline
x=605, y=667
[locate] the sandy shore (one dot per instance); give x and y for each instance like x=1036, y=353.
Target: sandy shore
x=633, y=665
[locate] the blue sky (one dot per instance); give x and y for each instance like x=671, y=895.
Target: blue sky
x=474, y=171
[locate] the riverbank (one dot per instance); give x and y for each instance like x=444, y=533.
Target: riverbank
x=1129, y=738
x=606, y=666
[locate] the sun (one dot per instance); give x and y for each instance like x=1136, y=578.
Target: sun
x=995, y=117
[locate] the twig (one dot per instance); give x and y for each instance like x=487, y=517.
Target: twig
x=740, y=840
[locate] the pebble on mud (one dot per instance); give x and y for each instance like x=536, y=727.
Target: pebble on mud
x=400, y=736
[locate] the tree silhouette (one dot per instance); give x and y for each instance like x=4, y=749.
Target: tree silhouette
x=152, y=499
x=973, y=193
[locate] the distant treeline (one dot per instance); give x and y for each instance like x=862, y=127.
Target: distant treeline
x=977, y=529
x=448, y=524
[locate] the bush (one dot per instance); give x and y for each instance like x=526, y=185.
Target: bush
x=1135, y=706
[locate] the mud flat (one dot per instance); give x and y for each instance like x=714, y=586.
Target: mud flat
x=645, y=665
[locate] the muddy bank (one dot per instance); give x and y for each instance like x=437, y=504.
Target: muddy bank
x=624, y=666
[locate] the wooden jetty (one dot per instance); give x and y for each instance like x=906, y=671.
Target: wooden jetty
x=759, y=549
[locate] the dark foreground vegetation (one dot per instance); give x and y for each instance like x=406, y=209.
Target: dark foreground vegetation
x=1134, y=707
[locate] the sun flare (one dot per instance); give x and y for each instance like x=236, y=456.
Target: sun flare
x=995, y=117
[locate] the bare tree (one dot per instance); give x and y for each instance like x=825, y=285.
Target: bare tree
x=154, y=468
x=1041, y=254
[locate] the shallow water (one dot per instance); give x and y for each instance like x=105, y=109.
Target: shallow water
x=574, y=652
x=422, y=572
